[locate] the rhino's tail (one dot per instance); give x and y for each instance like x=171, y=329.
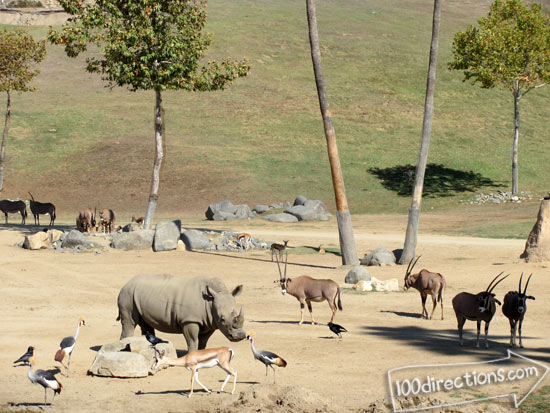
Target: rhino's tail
x=118, y=317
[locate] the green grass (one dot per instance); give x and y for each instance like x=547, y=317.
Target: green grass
x=262, y=140
x=537, y=402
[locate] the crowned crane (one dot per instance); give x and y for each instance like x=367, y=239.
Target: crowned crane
x=45, y=378
x=66, y=346
x=25, y=357
x=266, y=357
x=154, y=340
x=337, y=329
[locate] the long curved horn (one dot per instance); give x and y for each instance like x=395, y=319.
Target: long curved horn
x=279, y=266
x=528, y=279
x=286, y=260
x=493, y=287
x=519, y=288
x=491, y=283
x=409, y=267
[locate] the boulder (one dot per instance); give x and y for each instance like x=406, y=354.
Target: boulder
x=317, y=206
x=214, y=211
x=135, y=240
x=167, y=235
x=282, y=217
x=243, y=211
x=380, y=256
x=537, y=246
x=356, y=274
x=74, y=239
x=55, y=235
x=363, y=285
x=303, y=213
x=130, y=357
x=260, y=209
x=195, y=240
x=36, y=241
x=300, y=200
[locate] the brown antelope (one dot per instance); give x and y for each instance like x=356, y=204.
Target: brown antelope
x=476, y=307
x=427, y=283
x=107, y=219
x=243, y=239
x=307, y=289
x=198, y=359
x=278, y=249
x=86, y=220
x=138, y=220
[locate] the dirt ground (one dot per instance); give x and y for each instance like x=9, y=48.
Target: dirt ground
x=44, y=293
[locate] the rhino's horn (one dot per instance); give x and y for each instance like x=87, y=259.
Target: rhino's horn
x=240, y=317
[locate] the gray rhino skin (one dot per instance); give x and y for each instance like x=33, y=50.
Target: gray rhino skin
x=196, y=307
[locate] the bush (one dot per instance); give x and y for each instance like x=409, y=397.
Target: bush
x=24, y=3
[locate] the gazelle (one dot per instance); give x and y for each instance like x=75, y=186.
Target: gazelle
x=307, y=289
x=278, y=249
x=198, y=359
x=243, y=239
x=427, y=283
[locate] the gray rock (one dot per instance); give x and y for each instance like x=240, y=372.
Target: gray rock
x=74, y=239
x=276, y=205
x=130, y=357
x=36, y=241
x=356, y=274
x=167, y=235
x=324, y=217
x=317, y=206
x=300, y=200
x=260, y=209
x=287, y=205
x=282, y=217
x=135, y=240
x=216, y=209
x=243, y=211
x=195, y=240
x=380, y=256
x=303, y=213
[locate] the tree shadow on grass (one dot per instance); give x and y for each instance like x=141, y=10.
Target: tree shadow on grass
x=439, y=181
x=446, y=342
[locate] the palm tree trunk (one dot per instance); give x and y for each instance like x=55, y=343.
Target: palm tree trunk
x=515, y=168
x=159, y=146
x=4, y=138
x=409, y=249
x=345, y=228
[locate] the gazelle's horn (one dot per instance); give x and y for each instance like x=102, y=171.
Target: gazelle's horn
x=410, y=267
x=279, y=266
x=519, y=288
x=528, y=279
x=491, y=283
x=497, y=283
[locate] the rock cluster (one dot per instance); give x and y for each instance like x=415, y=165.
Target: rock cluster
x=210, y=240
x=302, y=210
x=498, y=197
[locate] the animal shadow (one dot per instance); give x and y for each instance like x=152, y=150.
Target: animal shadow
x=402, y=314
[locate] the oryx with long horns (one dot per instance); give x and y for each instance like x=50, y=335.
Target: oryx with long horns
x=477, y=307
x=426, y=282
x=514, y=308
x=307, y=289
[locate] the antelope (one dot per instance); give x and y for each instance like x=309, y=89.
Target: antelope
x=8, y=207
x=138, y=220
x=107, y=219
x=514, y=308
x=307, y=289
x=426, y=282
x=278, y=248
x=42, y=208
x=86, y=220
x=243, y=239
x=477, y=307
x=198, y=359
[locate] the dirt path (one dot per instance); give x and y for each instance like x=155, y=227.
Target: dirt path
x=44, y=293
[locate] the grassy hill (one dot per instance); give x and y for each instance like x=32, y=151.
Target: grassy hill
x=74, y=142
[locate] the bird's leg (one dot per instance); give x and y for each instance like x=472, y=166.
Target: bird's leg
x=273, y=368
x=44, y=395
x=266, y=370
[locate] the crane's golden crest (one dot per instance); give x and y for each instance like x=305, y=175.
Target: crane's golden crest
x=81, y=319
x=251, y=334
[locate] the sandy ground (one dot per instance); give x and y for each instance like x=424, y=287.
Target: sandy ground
x=44, y=292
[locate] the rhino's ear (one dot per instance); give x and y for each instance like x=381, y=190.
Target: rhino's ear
x=238, y=289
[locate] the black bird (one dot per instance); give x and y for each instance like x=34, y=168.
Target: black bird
x=337, y=329
x=154, y=340
x=25, y=357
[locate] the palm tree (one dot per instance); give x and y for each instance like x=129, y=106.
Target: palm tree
x=345, y=229
x=409, y=249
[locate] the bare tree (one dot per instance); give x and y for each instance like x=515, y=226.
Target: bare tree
x=409, y=249
x=345, y=228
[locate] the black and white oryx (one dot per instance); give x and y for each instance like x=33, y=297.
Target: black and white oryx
x=477, y=307
x=307, y=289
x=514, y=308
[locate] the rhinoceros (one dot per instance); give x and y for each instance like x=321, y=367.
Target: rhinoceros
x=195, y=307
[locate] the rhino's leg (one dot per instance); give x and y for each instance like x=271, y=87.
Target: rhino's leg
x=129, y=320
x=203, y=339
x=191, y=334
